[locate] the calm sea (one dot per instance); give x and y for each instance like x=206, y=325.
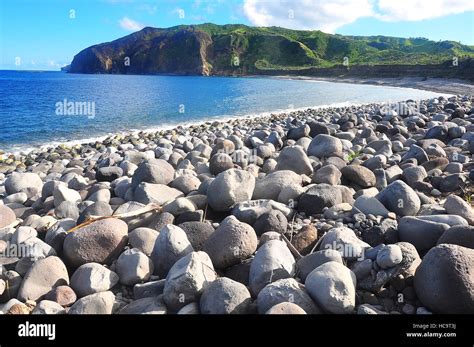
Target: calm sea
x=38, y=108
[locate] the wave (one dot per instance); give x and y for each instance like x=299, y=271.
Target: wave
x=25, y=149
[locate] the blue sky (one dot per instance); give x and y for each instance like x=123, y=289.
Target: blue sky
x=46, y=34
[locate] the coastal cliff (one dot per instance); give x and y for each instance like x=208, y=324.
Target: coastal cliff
x=239, y=50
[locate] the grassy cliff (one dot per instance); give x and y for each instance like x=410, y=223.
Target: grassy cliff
x=210, y=49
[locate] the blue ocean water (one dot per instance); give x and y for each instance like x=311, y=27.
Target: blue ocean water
x=32, y=112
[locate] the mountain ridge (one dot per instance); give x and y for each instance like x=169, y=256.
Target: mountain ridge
x=236, y=49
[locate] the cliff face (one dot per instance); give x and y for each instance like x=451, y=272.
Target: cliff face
x=210, y=49
x=150, y=51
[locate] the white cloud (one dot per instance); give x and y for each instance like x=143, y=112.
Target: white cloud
x=329, y=15
x=306, y=14
x=130, y=25
x=414, y=10
x=150, y=9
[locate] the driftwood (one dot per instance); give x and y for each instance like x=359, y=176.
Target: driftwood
x=148, y=208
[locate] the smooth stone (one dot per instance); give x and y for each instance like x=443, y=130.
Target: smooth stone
x=360, y=175
x=343, y=240
x=295, y=159
x=449, y=219
x=232, y=242
x=272, y=262
x=92, y=278
x=333, y=287
x=62, y=193
x=99, y=242
x=179, y=206
x=187, y=279
x=423, y=234
x=370, y=205
x=48, y=307
x=63, y=295
x=220, y=162
x=285, y=290
x=316, y=198
x=249, y=212
x=143, y=239
x=329, y=174
x=27, y=182
x=186, y=183
x=460, y=235
x=444, y=281
x=455, y=205
x=389, y=256
x=133, y=267
x=225, y=296
x=156, y=171
x=43, y=276
x=311, y=261
x=171, y=245
x=414, y=174
x=286, y=308
x=108, y=173
x=305, y=239
x=98, y=303
x=7, y=216
x=146, y=193
x=324, y=146
x=16, y=198
x=398, y=197
x=271, y=185
x=271, y=221
x=147, y=305
x=230, y=187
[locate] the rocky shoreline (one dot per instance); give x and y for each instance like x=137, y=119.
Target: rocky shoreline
x=361, y=209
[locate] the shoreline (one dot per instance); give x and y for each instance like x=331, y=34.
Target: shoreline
x=440, y=85
x=445, y=87
x=255, y=117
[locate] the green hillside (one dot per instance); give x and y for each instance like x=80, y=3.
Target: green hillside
x=210, y=49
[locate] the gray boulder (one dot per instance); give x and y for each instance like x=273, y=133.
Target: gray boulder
x=295, y=159
x=232, y=242
x=333, y=287
x=324, y=146
x=92, y=278
x=171, y=245
x=272, y=262
x=99, y=242
x=285, y=290
x=187, y=279
x=43, y=276
x=230, y=187
x=225, y=296
x=398, y=197
x=133, y=267
x=444, y=281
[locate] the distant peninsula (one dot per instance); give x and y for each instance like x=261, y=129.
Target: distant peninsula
x=240, y=50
